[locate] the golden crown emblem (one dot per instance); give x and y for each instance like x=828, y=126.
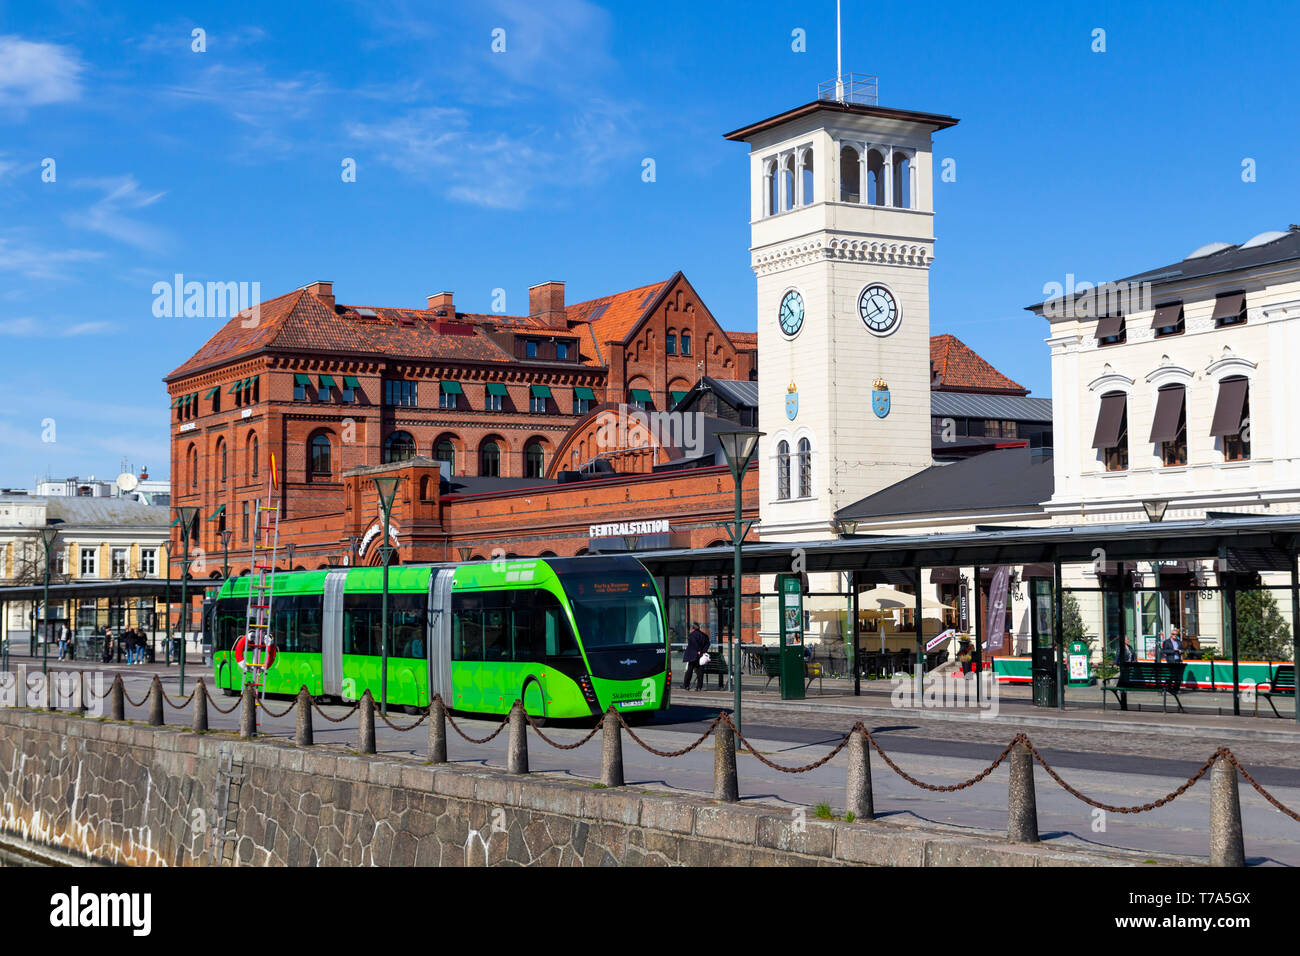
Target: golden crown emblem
x=791, y=389
x=880, y=385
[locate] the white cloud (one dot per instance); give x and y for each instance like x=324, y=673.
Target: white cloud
x=37, y=74
x=28, y=327
x=107, y=215
x=27, y=259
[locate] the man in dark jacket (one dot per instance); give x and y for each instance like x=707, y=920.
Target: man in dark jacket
x=697, y=642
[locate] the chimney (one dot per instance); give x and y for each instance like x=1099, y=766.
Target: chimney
x=546, y=302
x=322, y=290
x=441, y=306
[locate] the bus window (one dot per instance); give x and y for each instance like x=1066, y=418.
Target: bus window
x=466, y=627
x=496, y=633
x=550, y=621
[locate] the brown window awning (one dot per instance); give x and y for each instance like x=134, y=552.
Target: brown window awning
x=1109, y=326
x=1228, y=411
x=1109, y=420
x=944, y=575
x=1167, y=315
x=1169, y=409
x=1228, y=306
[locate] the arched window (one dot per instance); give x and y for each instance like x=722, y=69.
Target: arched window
x=534, y=461
x=399, y=446
x=787, y=182
x=902, y=181
x=806, y=178
x=773, y=202
x=805, y=468
x=446, y=451
x=850, y=175
x=783, y=470
x=194, y=466
x=221, y=460
x=253, y=467
x=319, y=464
x=875, y=177
x=489, y=460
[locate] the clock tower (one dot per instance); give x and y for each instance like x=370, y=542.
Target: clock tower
x=842, y=237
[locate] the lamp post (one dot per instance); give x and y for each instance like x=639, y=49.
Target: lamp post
x=167, y=641
x=333, y=560
x=386, y=488
x=49, y=534
x=353, y=541
x=740, y=448
x=188, y=514
x=225, y=554
x=289, y=548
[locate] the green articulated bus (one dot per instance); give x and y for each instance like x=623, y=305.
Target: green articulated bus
x=568, y=636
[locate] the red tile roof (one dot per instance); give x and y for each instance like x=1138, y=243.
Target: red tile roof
x=959, y=369
x=744, y=340
x=620, y=315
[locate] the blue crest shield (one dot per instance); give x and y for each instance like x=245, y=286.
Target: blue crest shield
x=791, y=405
x=880, y=401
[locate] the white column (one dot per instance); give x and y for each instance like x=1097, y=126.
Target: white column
x=862, y=174
x=888, y=176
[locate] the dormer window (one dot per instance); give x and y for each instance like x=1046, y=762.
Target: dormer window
x=530, y=349
x=562, y=350
x=1169, y=320
x=1111, y=330
x=1229, y=309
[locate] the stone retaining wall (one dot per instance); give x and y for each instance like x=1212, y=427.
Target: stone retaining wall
x=122, y=793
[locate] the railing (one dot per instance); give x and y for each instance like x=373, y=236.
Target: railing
x=860, y=88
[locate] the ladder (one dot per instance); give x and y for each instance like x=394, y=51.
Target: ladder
x=220, y=844
x=259, y=640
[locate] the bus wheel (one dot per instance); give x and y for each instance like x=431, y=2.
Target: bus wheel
x=414, y=711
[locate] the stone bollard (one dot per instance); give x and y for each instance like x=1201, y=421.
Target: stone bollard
x=437, y=731
x=725, y=786
x=1022, y=818
x=859, y=801
x=82, y=705
x=366, y=726
x=611, y=751
x=304, y=737
x=517, y=749
x=20, y=688
x=248, y=713
x=116, y=699
x=1227, y=846
x=156, y=703
x=199, y=724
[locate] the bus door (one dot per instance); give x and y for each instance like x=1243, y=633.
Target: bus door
x=331, y=664
x=438, y=639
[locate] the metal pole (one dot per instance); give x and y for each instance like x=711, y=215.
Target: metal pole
x=974, y=598
x=1236, y=651
x=383, y=639
x=1058, y=637
x=1295, y=620
x=853, y=630
x=45, y=616
x=185, y=608
x=167, y=645
x=735, y=609
x=920, y=643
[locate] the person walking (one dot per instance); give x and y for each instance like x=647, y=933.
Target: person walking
x=1173, y=647
x=697, y=645
x=63, y=641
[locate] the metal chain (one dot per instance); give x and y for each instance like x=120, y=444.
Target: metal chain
x=775, y=766
x=283, y=713
x=384, y=718
x=336, y=720
x=212, y=702
x=1167, y=798
x=142, y=700
x=1232, y=758
x=91, y=691
x=183, y=704
x=475, y=740
x=934, y=787
x=668, y=753
x=558, y=746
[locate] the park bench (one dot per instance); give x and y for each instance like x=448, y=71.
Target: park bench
x=717, y=665
x=812, y=670
x=1282, y=684
x=1137, y=676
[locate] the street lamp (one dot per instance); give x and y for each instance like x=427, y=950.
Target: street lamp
x=334, y=560
x=386, y=488
x=167, y=644
x=225, y=554
x=1155, y=510
x=289, y=548
x=49, y=533
x=188, y=516
x=353, y=541
x=740, y=448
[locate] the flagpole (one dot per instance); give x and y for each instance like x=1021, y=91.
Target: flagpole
x=839, y=56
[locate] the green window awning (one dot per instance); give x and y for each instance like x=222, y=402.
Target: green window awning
x=236, y=387
x=218, y=513
x=176, y=401
x=247, y=383
x=452, y=388
x=189, y=400
x=586, y=393
x=640, y=395
x=496, y=388
x=301, y=379
x=212, y=391
x=350, y=381
x=678, y=396
x=327, y=381
x=539, y=391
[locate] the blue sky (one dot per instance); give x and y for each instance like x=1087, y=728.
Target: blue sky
x=478, y=170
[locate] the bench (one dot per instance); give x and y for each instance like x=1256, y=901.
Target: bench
x=717, y=665
x=1164, y=679
x=1282, y=684
x=812, y=671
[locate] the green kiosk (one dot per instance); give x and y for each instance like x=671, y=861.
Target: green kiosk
x=790, y=589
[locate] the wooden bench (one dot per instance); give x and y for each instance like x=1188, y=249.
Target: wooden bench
x=1164, y=679
x=1282, y=684
x=717, y=665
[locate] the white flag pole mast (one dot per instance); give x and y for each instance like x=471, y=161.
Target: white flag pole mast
x=839, y=56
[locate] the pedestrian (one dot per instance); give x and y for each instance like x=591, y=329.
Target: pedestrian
x=697, y=646
x=1173, y=647
x=63, y=641
x=1126, y=655
x=965, y=656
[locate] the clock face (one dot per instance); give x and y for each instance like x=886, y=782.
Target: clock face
x=878, y=309
x=791, y=313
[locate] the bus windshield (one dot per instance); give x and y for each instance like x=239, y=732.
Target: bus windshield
x=612, y=606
